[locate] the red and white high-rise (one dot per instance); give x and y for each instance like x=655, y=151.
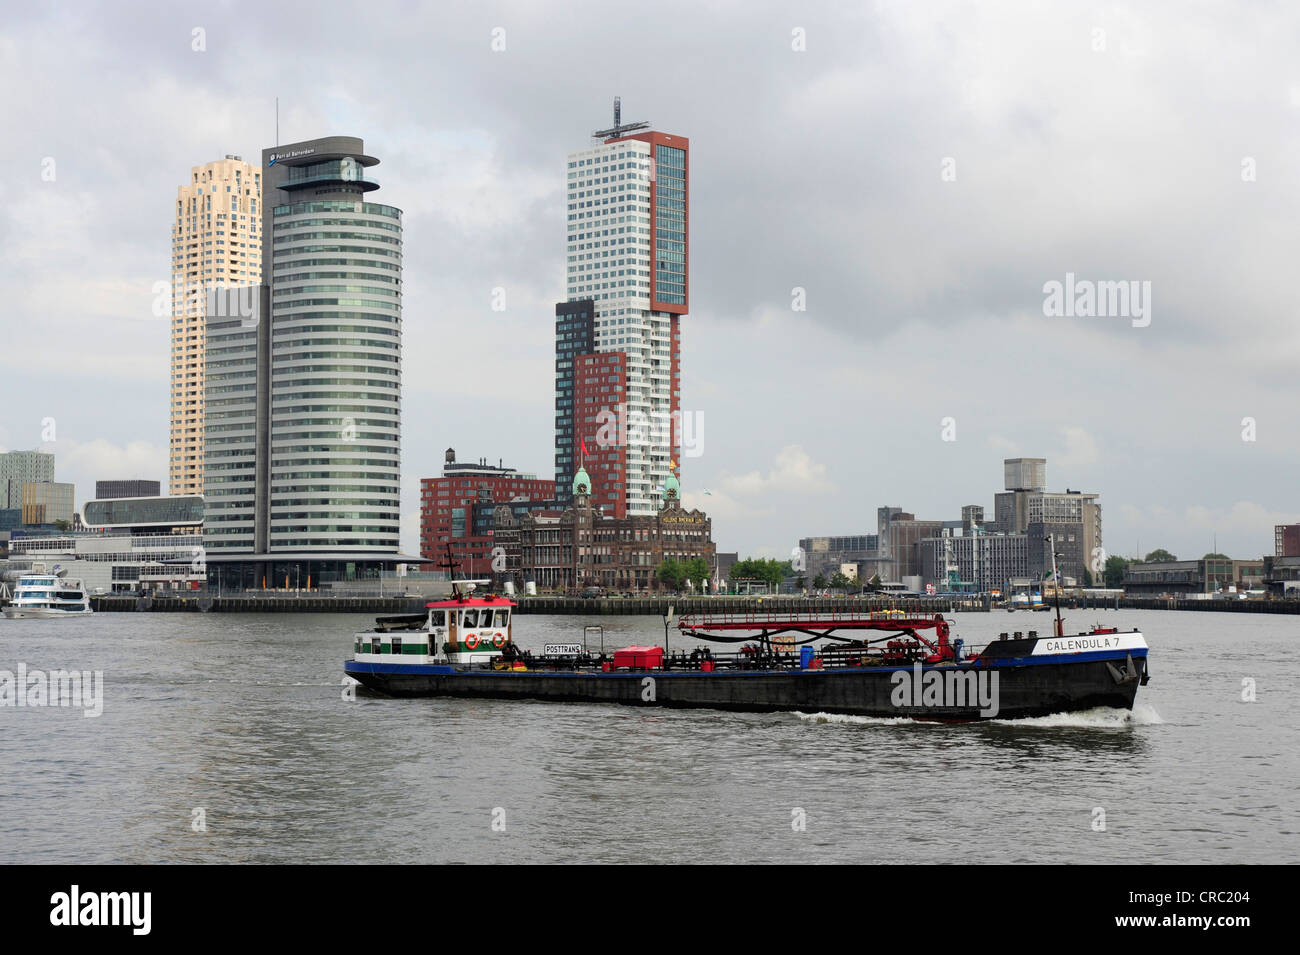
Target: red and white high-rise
x=628, y=254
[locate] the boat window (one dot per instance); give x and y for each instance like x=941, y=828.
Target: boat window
x=502, y=618
x=397, y=644
x=374, y=645
x=438, y=618
x=470, y=619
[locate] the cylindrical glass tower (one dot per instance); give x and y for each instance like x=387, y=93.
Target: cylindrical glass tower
x=335, y=362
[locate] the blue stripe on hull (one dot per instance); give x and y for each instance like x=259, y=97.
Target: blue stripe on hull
x=1027, y=687
x=1119, y=656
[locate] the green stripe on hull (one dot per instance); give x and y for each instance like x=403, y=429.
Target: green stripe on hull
x=417, y=649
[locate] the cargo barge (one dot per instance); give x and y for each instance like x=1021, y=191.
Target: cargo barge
x=881, y=664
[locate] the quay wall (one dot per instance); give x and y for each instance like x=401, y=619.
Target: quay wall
x=656, y=606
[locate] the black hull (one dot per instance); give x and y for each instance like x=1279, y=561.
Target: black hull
x=1022, y=691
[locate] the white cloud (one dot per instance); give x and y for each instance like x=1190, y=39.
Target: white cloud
x=1003, y=445
x=1242, y=529
x=720, y=506
x=1080, y=451
x=793, y=471
x=85, y=462
x=1242, y=517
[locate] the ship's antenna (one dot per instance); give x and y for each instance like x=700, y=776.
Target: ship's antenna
x=277, y=120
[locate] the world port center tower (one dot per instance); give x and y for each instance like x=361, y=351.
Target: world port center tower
x=302, y=443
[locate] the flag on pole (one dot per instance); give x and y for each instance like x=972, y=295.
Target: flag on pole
x=583, y=443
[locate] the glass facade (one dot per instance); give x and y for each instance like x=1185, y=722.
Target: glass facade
x=303, y=424
x=670, y=225
x=160, y=511
x=291, y=574
x=22, y=467
x=335, y=375
x=230, y=436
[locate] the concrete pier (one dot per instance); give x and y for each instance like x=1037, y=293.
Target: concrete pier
x=620, y=606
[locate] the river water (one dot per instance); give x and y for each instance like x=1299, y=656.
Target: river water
x=244, y=717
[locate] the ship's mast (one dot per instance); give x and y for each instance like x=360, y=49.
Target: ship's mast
x=451, y=564
x=1056, y=579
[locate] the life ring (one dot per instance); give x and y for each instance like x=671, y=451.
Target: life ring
x=471, y=642
x=499, y=641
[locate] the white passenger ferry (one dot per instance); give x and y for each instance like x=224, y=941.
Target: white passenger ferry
x=49, y=596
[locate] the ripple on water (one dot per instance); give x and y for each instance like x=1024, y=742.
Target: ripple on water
x=244, y=716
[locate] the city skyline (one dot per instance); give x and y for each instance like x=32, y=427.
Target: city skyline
x=1182, y=425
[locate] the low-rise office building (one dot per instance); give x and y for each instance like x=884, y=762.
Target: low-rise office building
x=48, y=502
x=130, y=545
x=1203, y=576
x=976, y=563
x=19, y=468
x=825, y=555
x=1282, y=575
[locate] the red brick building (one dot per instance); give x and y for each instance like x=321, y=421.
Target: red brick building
x=458, y=508
x=599, y=383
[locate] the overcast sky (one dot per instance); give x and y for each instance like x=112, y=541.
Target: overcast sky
x=921, y=170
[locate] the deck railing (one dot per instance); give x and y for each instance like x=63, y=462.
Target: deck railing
x=763, y=618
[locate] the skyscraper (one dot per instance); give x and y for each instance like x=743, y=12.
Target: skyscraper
x=302, y=453
x=216, y=243
x=627, y=260
x=22, y=467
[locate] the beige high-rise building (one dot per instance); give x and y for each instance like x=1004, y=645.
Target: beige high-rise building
x=216, y=243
